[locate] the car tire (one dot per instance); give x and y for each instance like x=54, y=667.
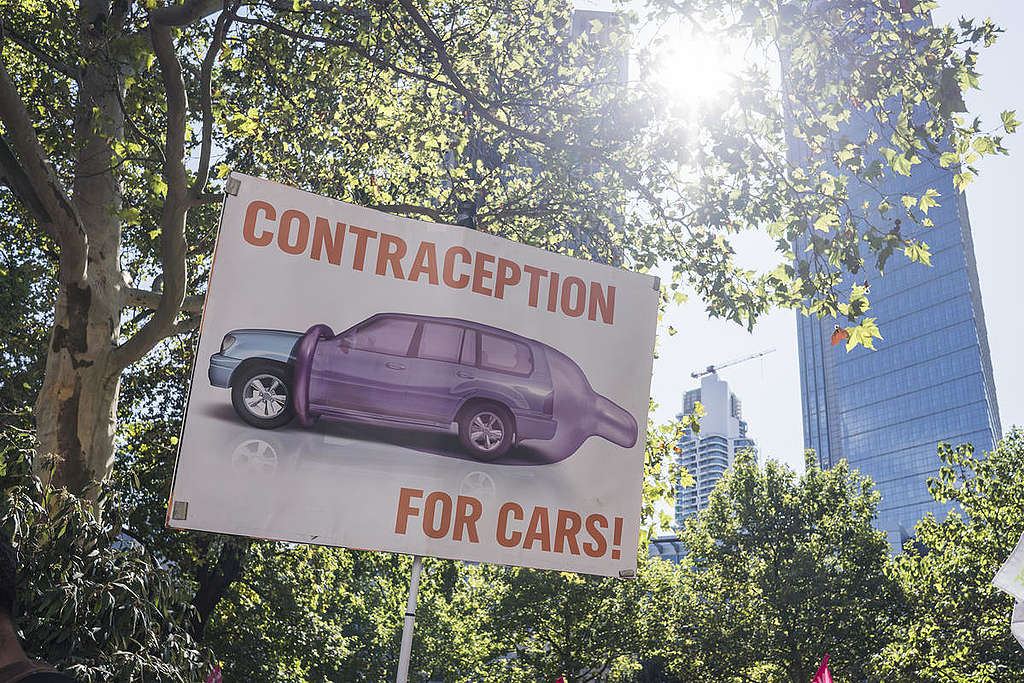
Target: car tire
x=486, y=430
x=261, y=393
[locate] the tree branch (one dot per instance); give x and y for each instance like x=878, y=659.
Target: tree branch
x=62, y=224
x=349, y=44
x=184, y=14
x=409, y=208
x=144, y=298
x=41, y=55
x=175, y=208
x=454, y=83
x=207, y=198
x=14, y=176
x=187, y=325
x=205, y=101
x=457, y=83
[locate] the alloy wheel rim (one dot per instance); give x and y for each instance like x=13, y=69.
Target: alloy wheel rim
x=486, y=431
x=265, y=396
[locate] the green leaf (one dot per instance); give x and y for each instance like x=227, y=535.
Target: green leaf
x=826, y=222
x=918, y=252
x=863, y=334
x=1010, y=122
x=983, y=145
x=928, y=199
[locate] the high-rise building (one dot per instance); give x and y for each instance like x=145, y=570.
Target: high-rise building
x=708, y=453
x=930, y=379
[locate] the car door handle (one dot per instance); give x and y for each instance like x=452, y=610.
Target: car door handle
x=464, y=374
x=394, y=366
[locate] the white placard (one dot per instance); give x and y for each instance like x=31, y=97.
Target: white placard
x=464, y=396
x=1010, y=577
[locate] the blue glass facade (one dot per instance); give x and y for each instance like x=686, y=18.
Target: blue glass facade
x=930, y=380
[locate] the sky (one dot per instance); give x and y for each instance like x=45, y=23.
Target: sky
x=769, y=387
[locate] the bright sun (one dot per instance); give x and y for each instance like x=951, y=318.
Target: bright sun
x=692, y=68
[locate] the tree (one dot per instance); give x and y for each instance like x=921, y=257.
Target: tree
x=312, y=614
x=89, y=600
x=956, y=627
x=113, y=113
x=781, y=570
x=547, y=624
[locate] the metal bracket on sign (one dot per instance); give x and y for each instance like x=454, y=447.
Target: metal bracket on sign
x=179, y=510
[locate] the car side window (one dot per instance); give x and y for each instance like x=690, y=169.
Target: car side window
x=387, y=335
x=505, y=355
x=469, y=348
x=440, y=342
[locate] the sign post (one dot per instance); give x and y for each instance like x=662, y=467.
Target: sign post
x=410, y=621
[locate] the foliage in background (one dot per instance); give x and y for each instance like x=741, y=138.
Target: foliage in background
x=957, y=625
x=319, y=614
x=870, y=94
x=780, y=570
x=90, y=600
x=547, y=624
x=663, y=475
x=24, y=303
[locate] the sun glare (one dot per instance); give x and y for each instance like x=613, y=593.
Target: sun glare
x=691, y=68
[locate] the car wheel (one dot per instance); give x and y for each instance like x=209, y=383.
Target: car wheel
x=486, y=430
x=262, y=395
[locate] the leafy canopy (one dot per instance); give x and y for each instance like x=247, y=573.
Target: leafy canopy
x=530, y=114
x=780, y=570
x=957, y=624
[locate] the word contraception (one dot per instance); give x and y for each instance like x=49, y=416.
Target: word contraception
x=456, y=267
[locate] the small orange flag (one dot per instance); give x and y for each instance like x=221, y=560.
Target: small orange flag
x=839, y=335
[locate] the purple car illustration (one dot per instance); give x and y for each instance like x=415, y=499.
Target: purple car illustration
x=493, y=388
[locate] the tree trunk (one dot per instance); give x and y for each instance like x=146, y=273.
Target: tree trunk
x=76, y=411
x=215, y=581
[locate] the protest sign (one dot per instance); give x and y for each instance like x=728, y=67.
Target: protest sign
x=378, y=382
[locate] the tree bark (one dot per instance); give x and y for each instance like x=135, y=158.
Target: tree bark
x=76, y=409
x=214, y=582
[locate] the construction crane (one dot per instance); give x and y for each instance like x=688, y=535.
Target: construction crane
x=711, y=369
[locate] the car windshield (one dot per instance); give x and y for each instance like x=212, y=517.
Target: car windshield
x=505, y=355
x=386, y=335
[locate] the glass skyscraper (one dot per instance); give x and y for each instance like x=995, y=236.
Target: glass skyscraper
x=930, y=379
